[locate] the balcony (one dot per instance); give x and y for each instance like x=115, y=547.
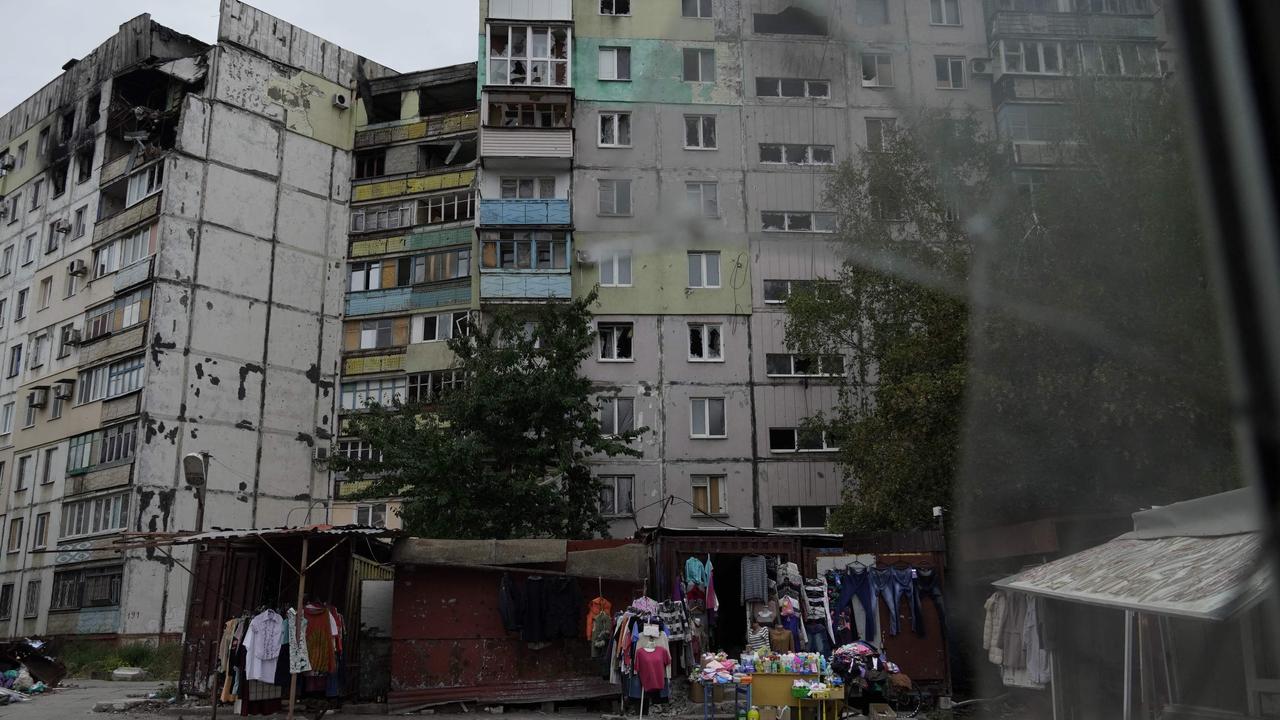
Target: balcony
x=525, y=285
x=1043, y=153
x=373, y=302
x=525, y=212
x=413, y=241
x=517, y=142
x=531, y=10
x=365, y=364
x=135, y=214
x=383, y=189
x=428, y=128
x=1007, y=23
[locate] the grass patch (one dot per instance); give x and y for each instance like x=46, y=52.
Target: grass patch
x=87, y=659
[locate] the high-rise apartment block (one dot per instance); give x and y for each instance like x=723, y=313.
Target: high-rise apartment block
x=224, y=249
x=171, y=282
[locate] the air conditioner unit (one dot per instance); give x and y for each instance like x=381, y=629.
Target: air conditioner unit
x=77, y=267
x=4, y=210
x=70, y=336
x=39, y=397
x=341, y=101
x=321, y=454
x=62, y=226
x=7, y=162
x=979, y=66
x=62, y=390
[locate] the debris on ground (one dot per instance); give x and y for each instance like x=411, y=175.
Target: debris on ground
x=30, y=666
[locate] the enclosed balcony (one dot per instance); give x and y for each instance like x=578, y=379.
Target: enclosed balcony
x=525, y=265
x=525, y=212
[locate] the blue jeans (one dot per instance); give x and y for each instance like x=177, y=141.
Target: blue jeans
x=857, y=583
x=890, y=584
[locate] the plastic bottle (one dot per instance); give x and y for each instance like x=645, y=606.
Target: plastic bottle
x=753, y=713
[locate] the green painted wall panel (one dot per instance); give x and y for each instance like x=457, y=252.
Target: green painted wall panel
x=657, y=72
x=660, y=279
x=648, y=19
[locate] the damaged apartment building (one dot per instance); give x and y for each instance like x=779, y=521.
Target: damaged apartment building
x=171, y=282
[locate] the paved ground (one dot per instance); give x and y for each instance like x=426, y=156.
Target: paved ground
x=76, y=703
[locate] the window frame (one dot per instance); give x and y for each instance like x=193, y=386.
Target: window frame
x=809, y=154
x=17, y=530
x=705, y=330
x=614, y=262
x=792, y=217
x=821, y=364
x=616, y=184
x=796, y=435
x=700, y=54
x=609, y=334
x=508, y=59
x=708, y=426
x=951, y=62
x=613, y=4
x=617, y=121
x=620, y=53
x=372, y=511
x=699, y=6
x=610, y=484
x=611, y=415
x=701, y=121
x=877, y=57
x=940, y=18
x=704, y=258
x=710, y=481
x=699, y=187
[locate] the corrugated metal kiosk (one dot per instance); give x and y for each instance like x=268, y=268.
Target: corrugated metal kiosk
x=448, y=640
x=236, y=571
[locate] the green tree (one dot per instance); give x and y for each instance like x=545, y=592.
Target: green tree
x=1051, y=350
x=894, y=312
x=505, y=454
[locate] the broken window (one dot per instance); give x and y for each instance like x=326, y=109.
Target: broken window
x=529, y=55
x=877, y=70
x=68, y=124
x=704, y=342
x=615, y=341
x=451, y=207
x=528, y=114
x=446, y=98
x=615, y=129
x=371, y=163
x=792, y=87
x=439, y=155
x=383, y=108
x=791, y=21
x=92, y=111
x=700, y=132
x=58, y=177
x=525, y=250
x=84, y=162
x=528, y=188
x=615, y=7
x=797, y=154
x=949, y=71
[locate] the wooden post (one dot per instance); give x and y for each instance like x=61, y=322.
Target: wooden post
x=302, y=588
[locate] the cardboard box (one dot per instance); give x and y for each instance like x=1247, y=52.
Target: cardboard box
x=719, y=693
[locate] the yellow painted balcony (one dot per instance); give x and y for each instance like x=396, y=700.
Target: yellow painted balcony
x=412, y=185
x=430, y=127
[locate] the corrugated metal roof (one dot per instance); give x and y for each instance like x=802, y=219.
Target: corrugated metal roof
x=283, y=532
x=1198, y=577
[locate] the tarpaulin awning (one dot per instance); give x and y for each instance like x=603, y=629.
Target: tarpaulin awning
x=1197, y=559
x=622, y=562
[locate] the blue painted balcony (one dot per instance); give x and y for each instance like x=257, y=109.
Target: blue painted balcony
x=525, y=212
x=372, y=302
x=525, y=285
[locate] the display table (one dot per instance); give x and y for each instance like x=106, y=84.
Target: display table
x=775, y=689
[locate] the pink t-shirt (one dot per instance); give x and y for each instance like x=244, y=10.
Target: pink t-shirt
x=652, y=667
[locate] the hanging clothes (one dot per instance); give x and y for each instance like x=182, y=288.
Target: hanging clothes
x=651, y=666
x=695, y=572
x=533, y=610
x=755, y=579
x=781, y=640
x=262, y=646
x=601, y=624
x=598, y=605
x=993, y=627
x=713, y=603
x=299, y=660
x=508, y=603
x=929, y=585
x=564, y=607
x=758, y=639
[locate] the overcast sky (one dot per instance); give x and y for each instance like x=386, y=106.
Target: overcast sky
x=403, y=34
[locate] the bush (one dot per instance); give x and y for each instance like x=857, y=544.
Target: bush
x=87, y=659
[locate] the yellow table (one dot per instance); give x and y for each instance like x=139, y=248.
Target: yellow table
x=775, y=689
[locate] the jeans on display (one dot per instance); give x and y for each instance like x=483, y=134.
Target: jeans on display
x=928, y=584
x=819, y=641
x=857, y=584
x=904, y=582
x=884, y=583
